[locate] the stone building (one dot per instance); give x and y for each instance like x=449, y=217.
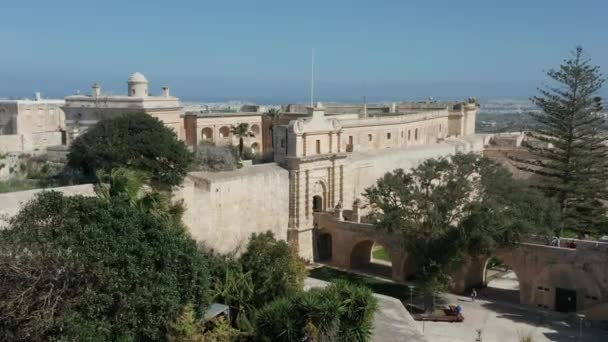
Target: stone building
x=30, y=124
x=83, y=111
x=215, y=127
x=333, y=157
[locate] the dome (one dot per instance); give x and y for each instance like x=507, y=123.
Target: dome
x=138, y=78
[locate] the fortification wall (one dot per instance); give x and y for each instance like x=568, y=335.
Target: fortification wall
x=364, y=169
x=11, y=202
x=224, y=208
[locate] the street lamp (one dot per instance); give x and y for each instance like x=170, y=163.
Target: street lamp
x=581, y=317
x=411, y=287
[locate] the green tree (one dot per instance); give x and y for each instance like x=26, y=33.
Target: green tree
x=88, y=268
x=136, y=141
x=275, y=270
x=241, y=131
x=575, y=166
x=449, y=208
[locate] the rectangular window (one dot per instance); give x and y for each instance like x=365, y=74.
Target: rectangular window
x=369, y=137
x=318, y=146
x=350, y=140
x=388, y=136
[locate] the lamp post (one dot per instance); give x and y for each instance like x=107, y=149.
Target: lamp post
x=411, y=287
x=581, y=317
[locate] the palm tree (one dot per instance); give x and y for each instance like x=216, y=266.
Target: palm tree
x=242, y=131
x=273, y=114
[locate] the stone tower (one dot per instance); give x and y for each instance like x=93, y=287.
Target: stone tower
x=138, y=85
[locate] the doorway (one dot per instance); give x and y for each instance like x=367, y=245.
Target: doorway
x=317, y=203
x=565, y=300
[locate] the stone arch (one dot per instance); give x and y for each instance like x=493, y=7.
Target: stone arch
x=255, y=129
x=224, y=132
x=323, y=246
x=207, y=133
x=361, y=259
x=319, y=196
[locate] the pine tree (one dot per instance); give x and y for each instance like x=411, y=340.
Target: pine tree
x=573, y=155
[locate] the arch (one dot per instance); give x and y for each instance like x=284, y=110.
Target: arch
x=255, y=129
x=323, y=246
x=207, y=133
x=255, y=147
x=503, y=282
x=362, y=258
x=224, y=132
x=317, y=203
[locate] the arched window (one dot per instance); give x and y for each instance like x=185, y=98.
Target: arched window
x=255, y=129
x=317, y=203
x=224, y=132
x=207, y=133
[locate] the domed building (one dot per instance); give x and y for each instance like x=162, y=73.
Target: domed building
x=83, y=111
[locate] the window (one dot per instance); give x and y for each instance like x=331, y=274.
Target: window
x=350, y=140
x=369, y=137
x=416, y=134
x=409, y=135
x=388, y=136
x=318, y=146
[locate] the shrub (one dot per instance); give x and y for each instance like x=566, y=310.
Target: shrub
x=74, y=268
x=137, y=141
x=275, y=270
x=209, y=157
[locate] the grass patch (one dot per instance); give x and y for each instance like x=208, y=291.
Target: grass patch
x=13, y=185
x=399, y=291
x=381, y=254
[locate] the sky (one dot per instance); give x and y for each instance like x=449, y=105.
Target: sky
x=260, y=51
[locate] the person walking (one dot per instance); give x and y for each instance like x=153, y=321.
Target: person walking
x=473, y=295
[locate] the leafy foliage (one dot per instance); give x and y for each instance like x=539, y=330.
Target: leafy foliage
x=340, y=312
x=275, y=270
x=575, y=166
x=448, y=208
x=137, y=141
x=241, y=131
x=209, y=157
x=85, y=268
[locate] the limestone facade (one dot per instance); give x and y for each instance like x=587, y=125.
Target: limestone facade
x=216, y=128
x=30, y=124
x=333, y=158
x=83, y=111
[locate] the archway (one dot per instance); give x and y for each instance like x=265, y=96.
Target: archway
x=207, y=133
x=255, y=129
x=224, y=132
x=323, y=246
x=500, y=281
x=373, y=258
x=317, y=203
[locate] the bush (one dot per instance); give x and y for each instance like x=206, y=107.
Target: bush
x=340, y=312
x=275, y=270
x=136, y=141
x=209, y=157
x=77, y=268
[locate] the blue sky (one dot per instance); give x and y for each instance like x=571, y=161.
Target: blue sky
x=260, y=50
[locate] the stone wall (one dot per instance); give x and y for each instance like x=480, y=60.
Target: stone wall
x=224, y=208
x=11, y=202
x=29, y=142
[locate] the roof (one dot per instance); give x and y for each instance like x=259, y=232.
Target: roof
x=138, y=77
x=215, y=310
